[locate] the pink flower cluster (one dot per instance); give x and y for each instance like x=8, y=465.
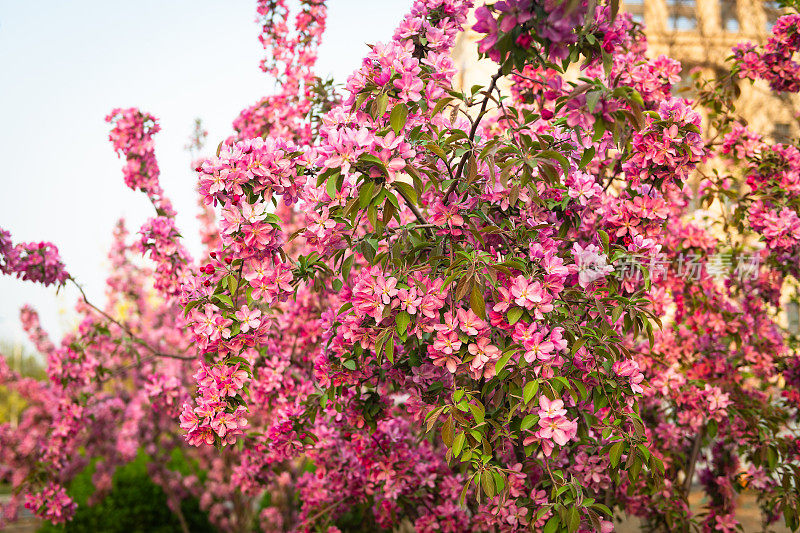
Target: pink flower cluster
x=36, y=262
x=257, y=166
x=668, y=148
x=555, y=429
x=217, y=415
x=774, y=62
x=160, y=238
x=652, y=78
x=773, y=174
x=243, y=179
x=377, y=297
x=291, y=58
x=549, y=20
x=132, y=137
x=591, y=263
x=629, y=369
x=446, y=298
x=52, y=503
x=29, y=319
x=779, y=226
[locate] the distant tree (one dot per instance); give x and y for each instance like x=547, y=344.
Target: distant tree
x=27, y=364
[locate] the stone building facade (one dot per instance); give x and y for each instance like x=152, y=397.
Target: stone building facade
x=701, y=33
x=698, y=33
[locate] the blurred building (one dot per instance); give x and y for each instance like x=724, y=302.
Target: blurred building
x=698, y=33
x=701, y=34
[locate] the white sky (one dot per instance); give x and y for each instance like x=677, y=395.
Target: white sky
x=65, y=64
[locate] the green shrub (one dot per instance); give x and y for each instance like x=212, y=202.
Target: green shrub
x=135, y=504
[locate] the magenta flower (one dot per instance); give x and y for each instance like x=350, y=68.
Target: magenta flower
x=248, y=319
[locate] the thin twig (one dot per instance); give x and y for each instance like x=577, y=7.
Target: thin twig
x=472, y=133
x=687, y=483
x=413, y=207
x=126, y=329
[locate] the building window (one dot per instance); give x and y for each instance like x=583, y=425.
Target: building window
x=685, y=87
x=682, y=15
x=727, y=16
x=636, y=9
x=781, y=133
x=793, y=317
x=772, y=10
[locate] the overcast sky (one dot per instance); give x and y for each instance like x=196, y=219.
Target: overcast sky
x=65, y=64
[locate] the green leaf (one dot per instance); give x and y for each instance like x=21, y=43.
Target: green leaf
x=447, y=432
x=223, y=299
x=238, y=360
x=380, y=104
x=389, y=209
x=602, y=508
x=528, y=421
x=350, y=364
x=347, y=264
x=392, y=199
x=615, y=453
x=772, y=457
x=636, y=467
x=604, y=239
x=552, y=525
x=191, y=305
x=608, y=62
x=478, y=412
x=644, y=451
x=499, y=481
x=514, y=314
x=390, y=349
x=587, y=156
x=530, y=391
x=573, y=519
x=502, y=362
x=356, y=105
x=556, y=492
x=233, y=284
x=440, y=105
x=401, y=321
x=398, y=117
x=476, y=301
x=592, y=98
x=408, y=192
x=458, y=444
x=436, y=149
x=365, y=193
x=330, y=187
x=557, y=156
x=487, y=482
x=462, y=498
x=577, y=346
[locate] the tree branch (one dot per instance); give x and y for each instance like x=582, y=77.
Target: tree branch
x=126, y=329
x=472, y=133
x=414, y=208
x=687, y=483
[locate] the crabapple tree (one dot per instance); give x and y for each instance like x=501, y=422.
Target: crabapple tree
x=493, y=309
